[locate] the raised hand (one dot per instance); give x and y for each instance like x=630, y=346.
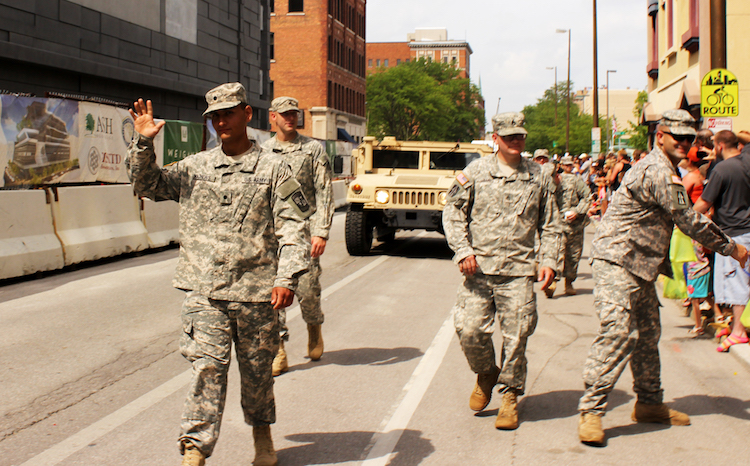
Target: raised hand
x=143, y=118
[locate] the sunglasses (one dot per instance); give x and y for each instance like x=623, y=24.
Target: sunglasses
x=514, y=137
x=682, y=137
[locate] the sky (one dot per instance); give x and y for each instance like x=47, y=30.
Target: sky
x=513, y=42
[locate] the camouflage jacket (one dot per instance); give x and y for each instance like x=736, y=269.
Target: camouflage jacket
x=637, y=227
x=496, y=218
x=312, y=169
x=573, y=195
x=240, y=236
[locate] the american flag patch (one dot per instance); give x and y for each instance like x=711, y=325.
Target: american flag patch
x=676, y=180
x=461, y=178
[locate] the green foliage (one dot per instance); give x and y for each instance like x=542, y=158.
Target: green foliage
x=90, y=123
x=638, y=134
x=423, y=100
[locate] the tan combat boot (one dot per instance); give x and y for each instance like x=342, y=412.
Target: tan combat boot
x=660, y=414
x=482, y=393
x=590, y=429
x=507, y=415
x=193, y=456
x=265, y=455
x=314, y=342
x=569, y=290
x=280, y=363
x=550, y=291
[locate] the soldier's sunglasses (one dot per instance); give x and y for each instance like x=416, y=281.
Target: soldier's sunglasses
x=514, y=137
x=682, y=137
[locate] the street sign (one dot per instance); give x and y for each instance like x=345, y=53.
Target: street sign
x=720, y=94
x=596, y=140
x=719, y=124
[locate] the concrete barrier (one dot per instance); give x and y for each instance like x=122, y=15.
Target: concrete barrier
x=339, y=193
x=162, y=220
x=93, y=222
x=27, y=236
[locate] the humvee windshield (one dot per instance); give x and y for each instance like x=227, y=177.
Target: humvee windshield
x=451, y=160
x=385, y=158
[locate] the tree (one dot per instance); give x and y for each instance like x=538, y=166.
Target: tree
x=639, y=133
x=423, y=100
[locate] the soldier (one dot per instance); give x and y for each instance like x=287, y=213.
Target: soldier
x=495, y=209
x=242, y=246
x=629, y=252
x=573, y=200
x=312, y=170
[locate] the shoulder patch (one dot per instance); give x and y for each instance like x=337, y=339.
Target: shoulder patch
x=461, y=178
x=676, y=180
x=680, y=198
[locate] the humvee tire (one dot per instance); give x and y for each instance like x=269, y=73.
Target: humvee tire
x=358, y=233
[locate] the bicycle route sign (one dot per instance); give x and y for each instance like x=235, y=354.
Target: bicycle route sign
x=720, y=94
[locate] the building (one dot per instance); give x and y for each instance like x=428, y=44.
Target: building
x=318, y=57
x=429, y=44
x=686, y=40
x=620, y=110
x=168, y=51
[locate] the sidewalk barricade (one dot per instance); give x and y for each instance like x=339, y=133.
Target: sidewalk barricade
x=93, y=222
x=162, y=220
x=339, y=193
x=27, y=237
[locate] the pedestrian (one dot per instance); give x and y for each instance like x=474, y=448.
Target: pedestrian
x=312, y=169
x=585, y=170
x=728, y=192
x=573, y=202
x=629, y=251
x=541, y=156
x=495, y=209
x=242, y=247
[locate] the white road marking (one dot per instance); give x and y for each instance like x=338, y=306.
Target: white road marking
x=385, y=440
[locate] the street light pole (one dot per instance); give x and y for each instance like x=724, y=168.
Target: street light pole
x=567, y=123
x=609, y=147
x=555, y=68
x=596, y=75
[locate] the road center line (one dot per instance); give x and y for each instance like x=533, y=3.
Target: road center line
x=386, y=439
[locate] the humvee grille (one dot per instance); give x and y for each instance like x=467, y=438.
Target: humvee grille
x=411, y=197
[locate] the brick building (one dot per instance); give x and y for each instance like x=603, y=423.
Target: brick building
x=429, y=44
x=167, y=50
x=318, y=57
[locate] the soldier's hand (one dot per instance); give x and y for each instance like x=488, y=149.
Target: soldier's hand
x=740, y=254
x=546, y=276
x=143, y=119
x=468, y=265
x=281, y=297
x=318, y=246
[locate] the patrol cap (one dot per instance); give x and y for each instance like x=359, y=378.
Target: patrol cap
x=226, y=96
x=284, y=104
x=679, y=122
x=566, y=160
x=506, y=124
x=541, y=153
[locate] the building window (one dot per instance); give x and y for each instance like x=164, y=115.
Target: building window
x=369, y=63
x=385, y=63
x=398, y=61
x=272, y=6
x=377, y=62
x=272, y=51
x=296, y=6
x=670, y=24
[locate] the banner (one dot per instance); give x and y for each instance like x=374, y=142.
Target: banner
x=181, y=138
x=104, y=134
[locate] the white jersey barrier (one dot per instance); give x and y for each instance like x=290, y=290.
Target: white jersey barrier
x=27, y=237
x=162, y=220
x=339, y=193
x=93, y=222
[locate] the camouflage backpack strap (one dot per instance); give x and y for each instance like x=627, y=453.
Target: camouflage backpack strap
x=291, y=192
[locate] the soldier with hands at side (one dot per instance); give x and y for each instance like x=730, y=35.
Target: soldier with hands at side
x=243, y=245
x=494, y=211
x=312, y=169
x=629, y=251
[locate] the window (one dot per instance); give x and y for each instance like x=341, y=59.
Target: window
x=384, y=158
x=369, y=63
x=451, y=160
x=385, y=63
x=272, y=6
x=670, y=24
x=377, y=62
x=296, y=6
x=272, y=51
x=398, y=61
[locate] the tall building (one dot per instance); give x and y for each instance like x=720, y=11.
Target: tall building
x=430, y=44
x=169, y=51
x=318, y=57
x=686, y=40
x=620, y=109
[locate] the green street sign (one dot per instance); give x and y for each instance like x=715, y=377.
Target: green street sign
x=554, y=144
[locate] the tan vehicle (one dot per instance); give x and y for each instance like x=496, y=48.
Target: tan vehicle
x=401, y=185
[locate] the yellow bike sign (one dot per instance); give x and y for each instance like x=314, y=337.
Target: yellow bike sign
x=720, y=94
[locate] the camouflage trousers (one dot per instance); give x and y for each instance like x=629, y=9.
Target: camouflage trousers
x=209, y=328
x=573, y=251
x=308, y=294
x=629, y=330
x=510, y=300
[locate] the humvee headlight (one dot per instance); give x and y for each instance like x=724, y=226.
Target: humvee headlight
x=441, y=197
x=382, y=196
x=357, y=188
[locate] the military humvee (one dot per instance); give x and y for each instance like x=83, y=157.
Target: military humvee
x=401, y=185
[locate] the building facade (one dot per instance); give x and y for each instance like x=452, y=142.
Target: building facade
x=620, y=109
x=686, y=40
x=318, y=57
x=169, y=51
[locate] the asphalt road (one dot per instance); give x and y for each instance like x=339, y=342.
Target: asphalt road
x=90, y=374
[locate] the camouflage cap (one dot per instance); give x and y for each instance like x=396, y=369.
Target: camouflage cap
x=227, y=95
x=505, y=124
x=566, y=160
x=541, y=153
x=679, y=122
x=284, y=104
x=583, y=156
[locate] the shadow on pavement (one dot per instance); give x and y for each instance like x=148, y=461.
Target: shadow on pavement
x=418, y=248
x=632, y=429
x=342, y=447
x=362, y=356
x=697, y=405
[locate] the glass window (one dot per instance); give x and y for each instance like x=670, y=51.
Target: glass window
x=296, y=6
x=385, y=62
x=398, y=61
x=451, y=160
x=385, y=158
x=377, y=62
x=369, y=62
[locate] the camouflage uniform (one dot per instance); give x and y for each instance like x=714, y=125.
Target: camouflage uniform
x=312, y=169
x=630, y=251
x=496, y=218
x=241, y=234
x=573, y=195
